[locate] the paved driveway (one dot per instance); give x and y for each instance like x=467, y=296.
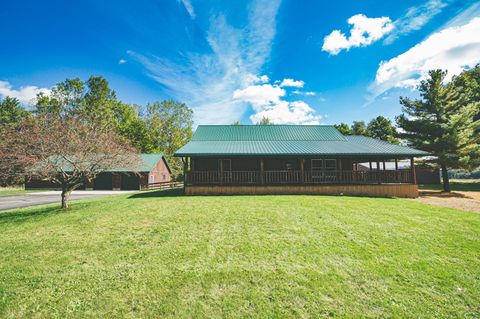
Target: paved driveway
x=41, y=198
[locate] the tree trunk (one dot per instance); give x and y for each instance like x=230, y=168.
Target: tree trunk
x=446, y=181
x=66, y=191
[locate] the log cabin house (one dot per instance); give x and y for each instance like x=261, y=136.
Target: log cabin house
x=294, y=159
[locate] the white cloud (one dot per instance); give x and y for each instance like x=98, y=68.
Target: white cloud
x=364, y=32
x=452, y=49
x=297, y=112
x=267, y=101
x=292, y=83
x=25, y=94
x=415, y=18
x=260, y=95
x=206, y=81
x=189, y=7
x=122, y=61
x=308, y=93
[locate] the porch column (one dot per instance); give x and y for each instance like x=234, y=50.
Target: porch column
x=396, y=170
x=184, y=160
x=221, y=171
x=412, y=167
x=378, y=172
x=302, y=170
x=262, y=177
x=340, y=175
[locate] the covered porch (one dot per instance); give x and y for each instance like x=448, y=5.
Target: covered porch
x=270, y=171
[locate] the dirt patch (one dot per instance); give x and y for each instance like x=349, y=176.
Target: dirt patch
x=467, y=201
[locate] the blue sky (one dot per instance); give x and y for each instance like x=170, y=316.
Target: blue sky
x=303, y=62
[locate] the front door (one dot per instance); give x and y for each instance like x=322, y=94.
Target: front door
x=130, y=182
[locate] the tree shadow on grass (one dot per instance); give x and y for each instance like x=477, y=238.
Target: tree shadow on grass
x=22, y=214
x=159, y=193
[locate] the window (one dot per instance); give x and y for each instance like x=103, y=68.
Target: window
x=152, y=179
x=317, y=164
x=330, y=165
x=164, y=177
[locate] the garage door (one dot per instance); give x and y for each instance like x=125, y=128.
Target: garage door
x=103, y=182
x=130, y=182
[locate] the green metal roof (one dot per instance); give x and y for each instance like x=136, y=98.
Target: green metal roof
x=267, y=133
x=278, y=140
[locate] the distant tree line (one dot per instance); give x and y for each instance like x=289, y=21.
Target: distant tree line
x=379, y=127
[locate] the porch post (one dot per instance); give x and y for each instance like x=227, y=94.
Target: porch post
x=184, y=160
x=340, y=175
x=412, y=167
x=262, y=178
x=396, y=170
x=378, y=172
x=302, y=170
x=221, y=171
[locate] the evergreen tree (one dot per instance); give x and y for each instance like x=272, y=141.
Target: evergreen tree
x=442, y=123
x=11, y=112
x=383, y=129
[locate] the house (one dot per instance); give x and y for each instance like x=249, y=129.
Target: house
x=293, y=159
x=153, y=169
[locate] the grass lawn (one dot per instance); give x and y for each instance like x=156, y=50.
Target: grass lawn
x=240, y=256
x=463, y=185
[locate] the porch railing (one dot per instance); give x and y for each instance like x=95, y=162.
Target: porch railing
x=280, y=177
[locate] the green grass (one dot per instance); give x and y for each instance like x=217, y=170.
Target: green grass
x=7, y=191
x=467, y=185
x=239, y=256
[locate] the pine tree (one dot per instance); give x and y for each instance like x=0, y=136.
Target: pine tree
x=442, y=123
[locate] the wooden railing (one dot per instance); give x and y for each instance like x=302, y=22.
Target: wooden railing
x=298, y=177
x=165, y=185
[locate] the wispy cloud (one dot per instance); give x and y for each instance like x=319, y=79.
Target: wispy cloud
x=25, y=94
x=207, y=81
x=122, y=61
x=415, y=18
x=364, y=31
x=453, y=49
x=189, y=7
x=292, y=83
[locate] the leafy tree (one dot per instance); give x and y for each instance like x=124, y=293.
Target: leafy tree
x=359, y=128
x=11, y=112
x=236, y=123
x=468, y=83
x=442, y=122
x=343, y=128
x=265, y=121
x=383, y=129
x=129, y=124
x=169, y=125
x=93, y=100
x=67, y=152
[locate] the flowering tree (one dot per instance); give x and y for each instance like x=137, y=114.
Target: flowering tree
x=68, y=152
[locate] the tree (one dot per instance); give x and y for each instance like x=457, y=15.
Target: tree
x=93, y=100
x=383, y=129
x=169, y=125
x=129, y=124
x=442, y=123
x=237, y=123
x=359, y=128
x=11, y=112
x=343, y=128
x=468, y=83
x=67, y=152
x=265, y=121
